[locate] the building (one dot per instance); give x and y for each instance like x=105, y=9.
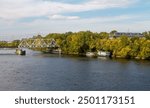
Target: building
x=129, y=34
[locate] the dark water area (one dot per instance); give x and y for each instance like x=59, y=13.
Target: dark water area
x=46, y=72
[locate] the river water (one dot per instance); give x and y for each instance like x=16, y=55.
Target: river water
x=37, y=71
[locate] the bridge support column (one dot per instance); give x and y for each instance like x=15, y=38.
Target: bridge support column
x=20, y=52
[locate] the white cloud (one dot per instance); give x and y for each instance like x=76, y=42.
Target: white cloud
x=10, y=10
x=21, y=30
x=15, y=9
x=98, y=24
x=46, y=26
x=61, y=17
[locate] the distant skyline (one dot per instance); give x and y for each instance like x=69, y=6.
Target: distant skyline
x=25, y=18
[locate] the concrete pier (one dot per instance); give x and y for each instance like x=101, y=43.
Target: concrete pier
x=20, y=52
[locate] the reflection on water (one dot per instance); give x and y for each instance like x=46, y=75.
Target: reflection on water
x=37, y=71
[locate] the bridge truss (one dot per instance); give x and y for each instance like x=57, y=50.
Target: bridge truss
x=38, y=43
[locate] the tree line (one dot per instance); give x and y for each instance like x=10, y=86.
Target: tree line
x=6, y=44
x=121, y=47
x=85, y=41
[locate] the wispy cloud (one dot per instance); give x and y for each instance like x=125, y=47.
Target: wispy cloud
x=30, y=17
x=61, y=17
x=15, y=9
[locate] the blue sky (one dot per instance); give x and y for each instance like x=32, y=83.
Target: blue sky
x=25, y=18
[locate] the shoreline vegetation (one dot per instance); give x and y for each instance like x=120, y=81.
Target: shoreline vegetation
x=78, y=43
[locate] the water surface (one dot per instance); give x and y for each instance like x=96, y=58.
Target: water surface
x=37, y=71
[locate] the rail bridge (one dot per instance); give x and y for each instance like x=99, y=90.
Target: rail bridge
x=38, y=43
x=49, y=44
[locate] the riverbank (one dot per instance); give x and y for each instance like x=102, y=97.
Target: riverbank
x=85, y=41
x=96, y=56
